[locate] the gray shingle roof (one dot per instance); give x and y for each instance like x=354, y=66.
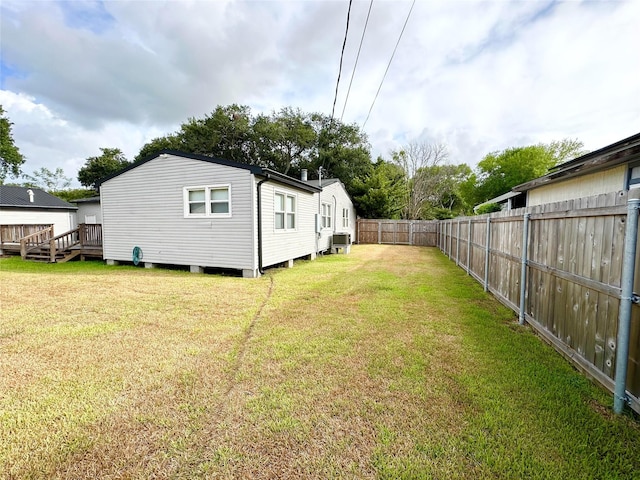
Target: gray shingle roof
x=18, y=197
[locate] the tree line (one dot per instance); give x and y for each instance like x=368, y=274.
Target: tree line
x=414, y=182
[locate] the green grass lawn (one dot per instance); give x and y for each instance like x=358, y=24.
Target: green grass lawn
x=389, y=362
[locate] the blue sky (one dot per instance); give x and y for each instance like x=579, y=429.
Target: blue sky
x=479, y=76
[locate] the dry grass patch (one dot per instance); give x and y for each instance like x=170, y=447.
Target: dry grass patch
x=385, y=363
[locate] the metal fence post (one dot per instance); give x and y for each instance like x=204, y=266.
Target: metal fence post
x=626, y=299
x=523, y=273
x=458, y=245
x=486, y=256
x=469, y=248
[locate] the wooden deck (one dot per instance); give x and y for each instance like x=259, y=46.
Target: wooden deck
x=37, y=242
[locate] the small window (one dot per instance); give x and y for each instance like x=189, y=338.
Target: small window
x=285, y=211
x=345, y=218
x=213, y=201
x=196, y=202
x=326, y=215
x=219, y=199
x=634, y=177
x=279, y=211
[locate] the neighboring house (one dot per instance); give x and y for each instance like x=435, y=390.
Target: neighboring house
x=199, y=211
x=613, y=168
x=32, y=206
x=89, y=210
x=507, y=201
x=337, y=213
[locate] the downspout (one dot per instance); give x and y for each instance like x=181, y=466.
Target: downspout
x=266, y=179
x=319, y=218
x=626, y=300
x=335, y=212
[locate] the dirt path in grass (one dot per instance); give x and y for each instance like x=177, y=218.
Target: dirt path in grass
x=245, y=341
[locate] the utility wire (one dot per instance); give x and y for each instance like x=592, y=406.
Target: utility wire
x=353, y=73
x=346, y=32
x=389, y=64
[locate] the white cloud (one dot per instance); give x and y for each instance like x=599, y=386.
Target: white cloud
x=480, y=76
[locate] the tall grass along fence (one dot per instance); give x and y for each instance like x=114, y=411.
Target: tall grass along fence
x=562, y=268
x=397, y=232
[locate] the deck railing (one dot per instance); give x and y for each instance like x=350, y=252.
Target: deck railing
x=85, y=235
x=11, y=234
x=90, y=234
x=35, y=241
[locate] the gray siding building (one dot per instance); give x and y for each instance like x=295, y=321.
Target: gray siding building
x=199, y=211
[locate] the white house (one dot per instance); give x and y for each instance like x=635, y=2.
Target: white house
x=613, y=168
x=186, y=209
x=337, y=214
x=89, y=210
x=32, y=206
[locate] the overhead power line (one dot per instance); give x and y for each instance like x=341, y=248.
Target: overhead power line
x=357, y=57
x=346, y=33
x=389, y=64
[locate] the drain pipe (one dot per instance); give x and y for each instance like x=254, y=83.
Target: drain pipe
x=266, y=179
x=626, y=300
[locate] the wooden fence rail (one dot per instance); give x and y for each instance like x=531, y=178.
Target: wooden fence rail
x=573, y=269
x=398, y=232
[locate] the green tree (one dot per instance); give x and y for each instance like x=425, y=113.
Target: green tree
x=168, y=142
x=380, y=193
x=10, y=157
x=111, y=161
x=51, y=181
x=224, y=133
x=71, y=194
x=284, y=140
x=499, y=172
x=417, y=160
x=443, y=197
x=342, y=150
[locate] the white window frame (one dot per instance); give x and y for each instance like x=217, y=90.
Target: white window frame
x=207, y=201
x=286, y=213
x=327, y=216
x=345, y=218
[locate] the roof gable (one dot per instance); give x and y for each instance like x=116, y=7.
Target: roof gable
x=254, y=169
x=11, y=196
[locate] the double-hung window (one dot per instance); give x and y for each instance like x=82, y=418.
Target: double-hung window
x=345, y=218
x=285, y=211
x=326, y=215
x=207, y=201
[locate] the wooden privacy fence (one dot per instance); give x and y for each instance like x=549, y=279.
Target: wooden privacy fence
x=398, y=232
x=572, y=254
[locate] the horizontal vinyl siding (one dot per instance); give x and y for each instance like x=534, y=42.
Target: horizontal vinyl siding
x=280, y=246
x=85, y=209
x=336, y=195
x=612, y=180
x=61, y=220
x=144, y=207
